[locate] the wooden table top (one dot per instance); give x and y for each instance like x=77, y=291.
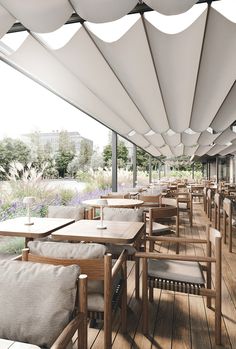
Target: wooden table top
x=41, y=227
x=7, y=344
x=116, y=203
x=86, y=230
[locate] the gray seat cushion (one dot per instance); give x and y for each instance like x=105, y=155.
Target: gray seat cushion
x=159, y=228
x=36, y=301
x=176, y=270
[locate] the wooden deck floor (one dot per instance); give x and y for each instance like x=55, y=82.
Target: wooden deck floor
x=178, y=321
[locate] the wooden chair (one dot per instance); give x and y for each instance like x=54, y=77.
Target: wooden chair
x=197, y=191
x=159, y=215
x=130, y=215
x=107, y=283
x=227, y=217
x=184, y=274
x=42, y=307
x=185, y=204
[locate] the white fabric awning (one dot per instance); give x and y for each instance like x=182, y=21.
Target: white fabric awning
x=159, y=90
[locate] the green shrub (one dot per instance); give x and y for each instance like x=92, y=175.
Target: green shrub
x=66, y=195
x=12, y=245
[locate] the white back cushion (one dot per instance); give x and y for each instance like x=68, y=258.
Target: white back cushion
x=72, y=212
x=123, y=214
x=36, y=301
x=69, y=250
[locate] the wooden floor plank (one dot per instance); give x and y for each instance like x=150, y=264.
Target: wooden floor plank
x=181, y=338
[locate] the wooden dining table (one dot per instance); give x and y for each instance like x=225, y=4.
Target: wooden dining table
x=8, y=344
x=40, y=228
x=115, y=232
x=120, y=203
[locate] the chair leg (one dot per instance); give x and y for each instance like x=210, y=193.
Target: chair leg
x=137, y=273
x=151, y=294
x=124, y=301
x=218, y=321
x=145, y=297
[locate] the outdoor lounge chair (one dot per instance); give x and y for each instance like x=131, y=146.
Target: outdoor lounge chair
x=107, y=284
x=184, y=273
x=43, y=305
x=159, y=215
x=126, y=215
x=185, y=204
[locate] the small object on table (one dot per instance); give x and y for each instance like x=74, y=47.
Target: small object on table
x=28, y=201
x=101, y=203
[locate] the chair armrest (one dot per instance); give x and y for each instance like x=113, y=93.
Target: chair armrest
x=119, y=262
x=153, y=255
x=65, y=337
x=17, y=258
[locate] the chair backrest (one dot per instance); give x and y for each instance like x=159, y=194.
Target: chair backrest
x=227, y=207
x=36, y=301
x=150, y=200
x=159, y=213
x=184, y=197
x=197, y=189
x=114, y=195
x=123, y=214
x=73, y=212
x=90, y=256
x=214, y=235
x=209, y=194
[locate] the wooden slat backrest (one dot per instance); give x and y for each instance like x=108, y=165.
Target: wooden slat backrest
x=94, y=268
x=150, y=198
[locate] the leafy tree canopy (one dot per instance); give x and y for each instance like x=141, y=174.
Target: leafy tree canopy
x=12, y=150
x=122, y=155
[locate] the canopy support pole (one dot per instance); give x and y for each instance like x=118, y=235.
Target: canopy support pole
x=114, y=161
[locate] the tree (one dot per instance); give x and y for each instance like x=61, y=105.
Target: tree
x=96, y=160
x=65, y=154
x=12, y=150
x=85, y=154
x=63, y=158
x=122, y=155
x=65, y=143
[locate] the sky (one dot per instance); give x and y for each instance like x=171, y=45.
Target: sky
x=27, y=107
